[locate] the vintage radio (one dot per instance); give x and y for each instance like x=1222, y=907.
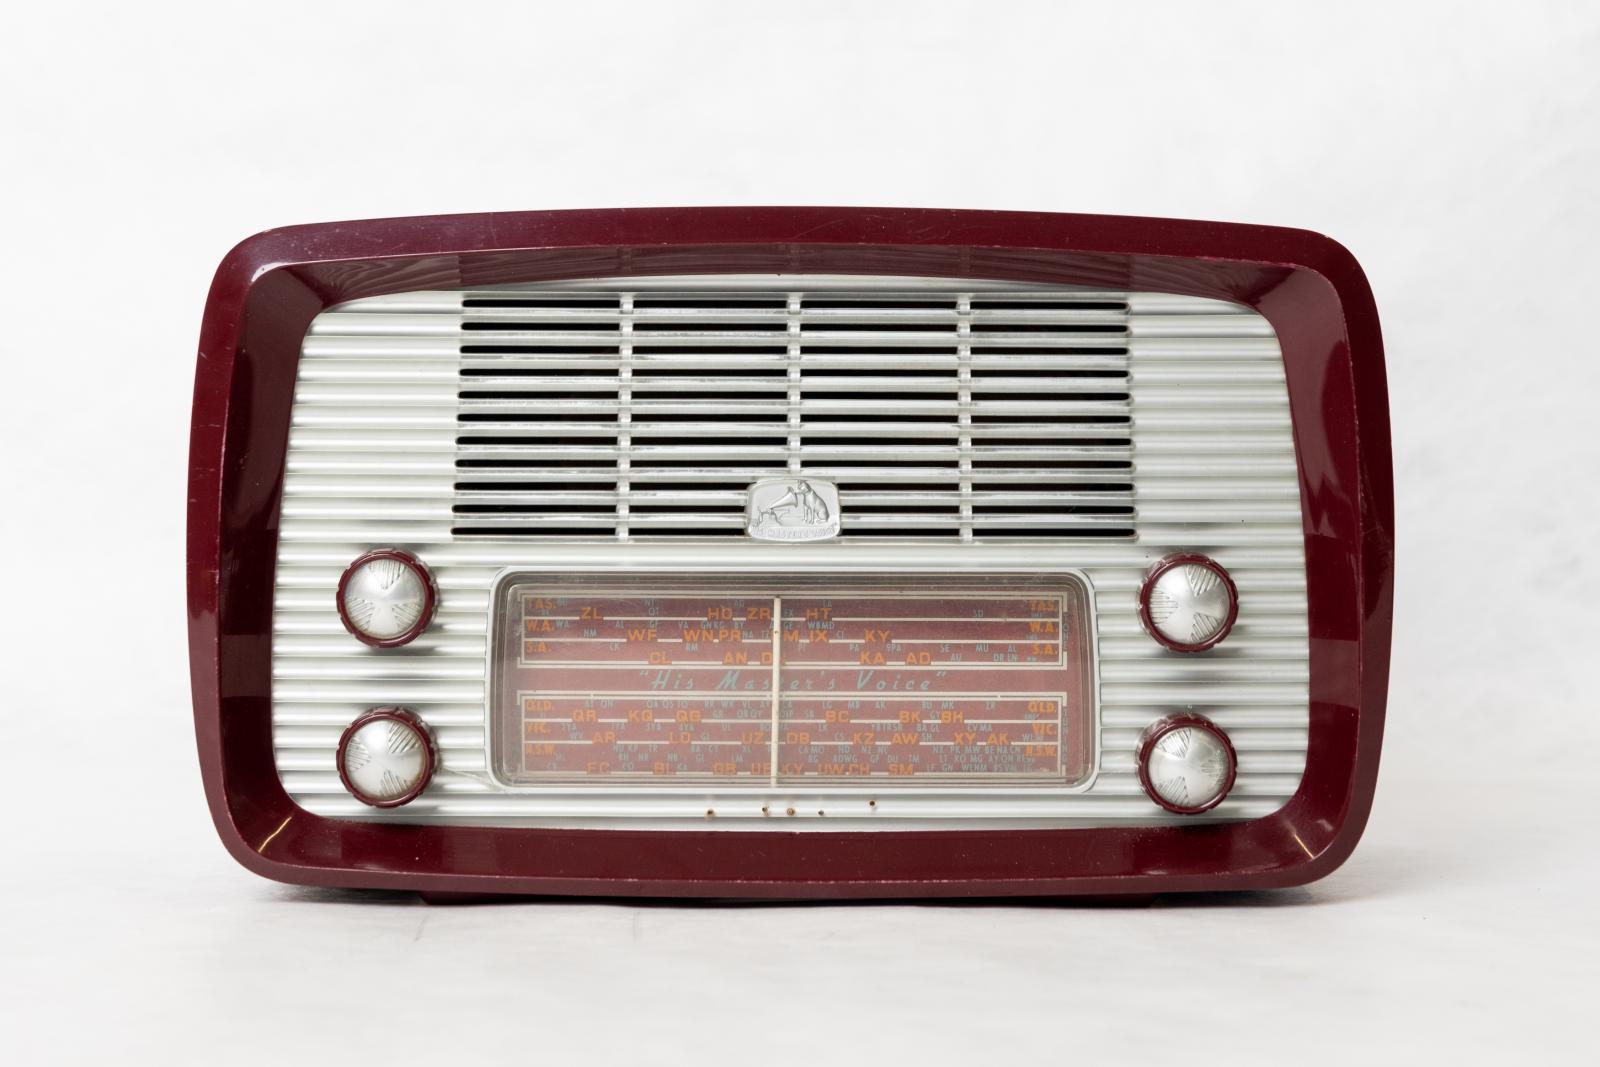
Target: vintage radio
x=790, y=552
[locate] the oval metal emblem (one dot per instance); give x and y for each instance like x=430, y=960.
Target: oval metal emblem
x=792, y=509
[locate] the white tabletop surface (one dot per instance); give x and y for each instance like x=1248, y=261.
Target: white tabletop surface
x=1453, y=150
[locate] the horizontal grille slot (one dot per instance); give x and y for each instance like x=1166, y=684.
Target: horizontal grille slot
x=936, y=413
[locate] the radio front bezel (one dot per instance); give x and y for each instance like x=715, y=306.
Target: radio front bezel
x=1310, y=289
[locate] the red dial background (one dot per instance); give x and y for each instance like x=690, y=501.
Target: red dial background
x=942, y=686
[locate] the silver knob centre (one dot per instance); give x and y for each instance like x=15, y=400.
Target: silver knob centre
x=1190, y=605
x=1190, y=768
x=384, y=598
x=385, y=760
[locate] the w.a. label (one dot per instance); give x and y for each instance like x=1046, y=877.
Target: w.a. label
x=761, y=682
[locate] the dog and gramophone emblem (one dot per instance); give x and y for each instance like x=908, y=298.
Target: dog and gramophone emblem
x=792, y=509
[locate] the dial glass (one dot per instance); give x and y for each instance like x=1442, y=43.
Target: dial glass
x=928, y=681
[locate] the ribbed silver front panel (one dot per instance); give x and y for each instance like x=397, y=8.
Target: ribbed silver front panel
x=379, y=456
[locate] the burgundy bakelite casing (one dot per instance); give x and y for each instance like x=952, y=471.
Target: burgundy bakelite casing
x=1309, y=288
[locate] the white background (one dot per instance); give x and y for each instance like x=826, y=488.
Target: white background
x=1454, y=149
